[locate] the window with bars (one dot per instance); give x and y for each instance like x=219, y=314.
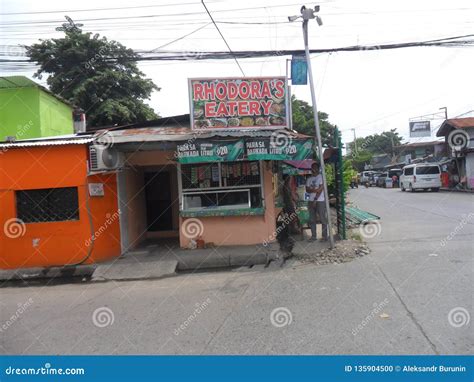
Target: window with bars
x=47, y=205
x=222, y=185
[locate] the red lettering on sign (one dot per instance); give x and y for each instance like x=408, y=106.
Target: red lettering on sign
x=244, y=90
x=254, y=108
x=210, y=109
x=221, y=91
x=266, y=106
x=266, y=92
x=232, y=90
x=255, y=89
x=280, y=87
x=232, y=105
x=208, y=91
x=243, y=108
x=222, y=110
x=197, y=92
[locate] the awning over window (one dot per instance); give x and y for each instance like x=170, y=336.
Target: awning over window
x=275, y=147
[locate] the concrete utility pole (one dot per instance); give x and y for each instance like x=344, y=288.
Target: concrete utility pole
x=355, y=141
x=308, y=14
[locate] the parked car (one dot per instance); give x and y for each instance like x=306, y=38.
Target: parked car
x=380, y=182
x=421, y=176
x=365, y=175
x=375, y=177
x=385, y=180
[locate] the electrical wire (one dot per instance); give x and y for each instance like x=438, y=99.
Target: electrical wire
x=223, y=38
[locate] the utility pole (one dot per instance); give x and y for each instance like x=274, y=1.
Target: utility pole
x=355, y=141
x=308, y=14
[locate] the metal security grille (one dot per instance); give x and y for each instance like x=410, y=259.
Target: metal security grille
x=47, y=205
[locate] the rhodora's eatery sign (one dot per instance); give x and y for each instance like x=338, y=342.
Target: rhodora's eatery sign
x=233, y=103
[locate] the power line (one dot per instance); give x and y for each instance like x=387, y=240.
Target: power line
x=182, y=37
x=223, y=38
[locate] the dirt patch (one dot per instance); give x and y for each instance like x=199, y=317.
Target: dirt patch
x=343, y=252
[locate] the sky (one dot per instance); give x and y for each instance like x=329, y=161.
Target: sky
x=370, y=91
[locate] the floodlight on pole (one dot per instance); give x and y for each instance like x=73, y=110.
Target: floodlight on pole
x=308, y=14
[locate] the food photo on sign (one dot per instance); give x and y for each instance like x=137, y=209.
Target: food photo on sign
x=239, y=103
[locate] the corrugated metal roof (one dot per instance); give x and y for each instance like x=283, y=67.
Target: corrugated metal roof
x=46, y=142
x=455, y=123
x=151, y=134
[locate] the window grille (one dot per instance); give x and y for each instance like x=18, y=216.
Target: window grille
x=47, y=205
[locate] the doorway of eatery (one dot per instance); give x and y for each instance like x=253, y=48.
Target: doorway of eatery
x=161, y=199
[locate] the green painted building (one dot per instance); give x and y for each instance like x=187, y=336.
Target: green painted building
x=28, y=110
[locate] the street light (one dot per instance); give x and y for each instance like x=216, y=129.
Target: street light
x=309, y=14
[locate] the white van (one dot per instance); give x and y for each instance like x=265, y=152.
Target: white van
x=421, y=176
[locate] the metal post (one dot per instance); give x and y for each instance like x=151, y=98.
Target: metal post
x=355, y=141
x=316, y=127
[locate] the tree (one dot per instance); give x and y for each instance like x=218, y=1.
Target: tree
x=95, y=74
x=303, y=121
x=378, y=143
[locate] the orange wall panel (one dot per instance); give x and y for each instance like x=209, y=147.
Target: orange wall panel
x=26, y=245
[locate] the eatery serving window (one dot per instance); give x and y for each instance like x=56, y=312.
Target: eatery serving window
x=47, y=205
x=221, y=185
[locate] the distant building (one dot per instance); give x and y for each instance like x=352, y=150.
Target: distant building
x=28, y=110
x=459, y=138
x=427, y=151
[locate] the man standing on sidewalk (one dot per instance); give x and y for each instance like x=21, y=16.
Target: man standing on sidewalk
x=316, y=204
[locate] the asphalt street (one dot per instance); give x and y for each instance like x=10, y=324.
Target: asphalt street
x=411, y=295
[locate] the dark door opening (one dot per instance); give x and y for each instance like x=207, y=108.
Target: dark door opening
x=158, y=201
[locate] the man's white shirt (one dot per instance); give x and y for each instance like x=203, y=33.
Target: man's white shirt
x=315, y=182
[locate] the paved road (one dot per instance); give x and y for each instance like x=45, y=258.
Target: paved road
x=396, y=300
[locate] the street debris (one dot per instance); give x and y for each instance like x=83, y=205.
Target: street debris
x=343, y=252
x=384, y=315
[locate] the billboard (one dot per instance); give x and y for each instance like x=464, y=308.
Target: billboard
x=239, y=103
x=420, y=129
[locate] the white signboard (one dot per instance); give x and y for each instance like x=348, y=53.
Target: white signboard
x=420, y=129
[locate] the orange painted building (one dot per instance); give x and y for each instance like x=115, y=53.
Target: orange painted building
x=48, y=212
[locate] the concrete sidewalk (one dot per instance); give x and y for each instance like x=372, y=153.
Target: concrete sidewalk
x=159, y=261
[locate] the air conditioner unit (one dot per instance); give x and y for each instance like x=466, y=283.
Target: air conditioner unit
x=103, y=158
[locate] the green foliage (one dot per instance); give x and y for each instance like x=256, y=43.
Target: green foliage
x=372, y=145
x=378, y=143
x=347, y=173
x=303, y=121
x=360, y=159
x=95, y=74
